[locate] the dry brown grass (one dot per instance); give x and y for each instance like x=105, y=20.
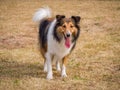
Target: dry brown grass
x=93, y=65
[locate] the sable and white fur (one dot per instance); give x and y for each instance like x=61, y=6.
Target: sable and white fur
x=56, y=43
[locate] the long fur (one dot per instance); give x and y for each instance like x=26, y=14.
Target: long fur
x=56, y=42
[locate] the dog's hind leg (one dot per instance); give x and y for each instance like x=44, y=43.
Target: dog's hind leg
x=56, y=60
x=58, y=65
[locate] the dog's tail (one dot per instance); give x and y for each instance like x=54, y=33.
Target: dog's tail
x=41, y=14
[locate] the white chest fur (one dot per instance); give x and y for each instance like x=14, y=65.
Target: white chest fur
x=54, y=47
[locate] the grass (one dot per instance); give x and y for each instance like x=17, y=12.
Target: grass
x=93, y=65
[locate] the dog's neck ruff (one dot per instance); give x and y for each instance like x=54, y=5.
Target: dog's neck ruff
x=61, y=48
x=67, y=40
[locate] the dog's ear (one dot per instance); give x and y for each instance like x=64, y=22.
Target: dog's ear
x=76, y=19
x=60, y=17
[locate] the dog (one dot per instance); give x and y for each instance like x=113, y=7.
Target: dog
x=57, y=38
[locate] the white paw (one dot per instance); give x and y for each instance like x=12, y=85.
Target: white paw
x=49, y=76
x=64, y=75
x=58, y=69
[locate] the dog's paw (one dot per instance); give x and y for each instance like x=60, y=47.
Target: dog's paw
x=64, y=75
x=49, y=76
x=58, y=69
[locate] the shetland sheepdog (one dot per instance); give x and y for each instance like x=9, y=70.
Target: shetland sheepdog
x=57, y=38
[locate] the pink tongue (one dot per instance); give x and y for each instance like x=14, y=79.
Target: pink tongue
x=67, y=42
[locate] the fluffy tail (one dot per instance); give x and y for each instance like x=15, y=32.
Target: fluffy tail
x=41, y=14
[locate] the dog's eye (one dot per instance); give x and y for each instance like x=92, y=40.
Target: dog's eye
x=71, y=26
x=64, y=26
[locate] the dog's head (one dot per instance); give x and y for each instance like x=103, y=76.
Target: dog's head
x=67, y=28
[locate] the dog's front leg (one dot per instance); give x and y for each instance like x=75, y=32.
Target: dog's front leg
x=49, y=66
x=64, y=61
x=45, y=65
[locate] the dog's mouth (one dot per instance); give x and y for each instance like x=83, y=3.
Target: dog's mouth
x=67, y=40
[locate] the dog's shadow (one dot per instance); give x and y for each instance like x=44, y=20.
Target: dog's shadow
x=13, y=69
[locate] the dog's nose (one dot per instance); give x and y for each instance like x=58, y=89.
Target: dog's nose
x=68, y=34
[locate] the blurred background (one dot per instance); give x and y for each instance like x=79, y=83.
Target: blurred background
x=93, y=65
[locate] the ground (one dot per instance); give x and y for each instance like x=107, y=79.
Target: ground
x=93, y=65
